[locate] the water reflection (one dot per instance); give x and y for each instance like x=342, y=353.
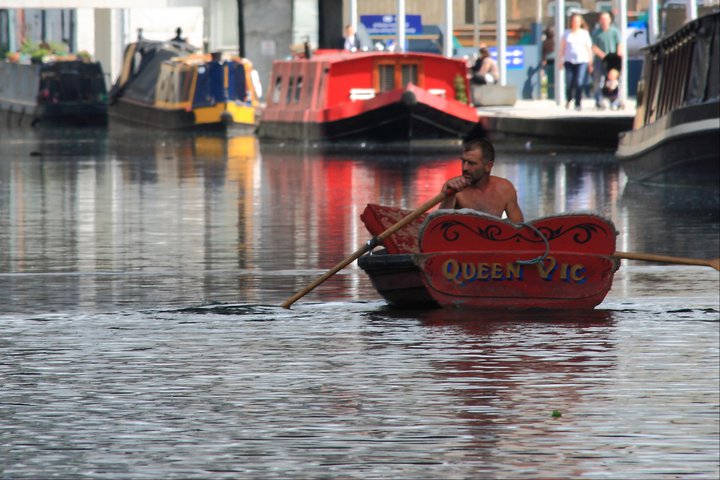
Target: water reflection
x=142, y=224
x=671, y=220
x=122, y=216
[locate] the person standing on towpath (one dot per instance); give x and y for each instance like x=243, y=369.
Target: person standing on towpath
x=477, y=189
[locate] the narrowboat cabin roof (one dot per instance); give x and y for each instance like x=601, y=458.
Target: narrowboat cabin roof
x=331, y=77
x=332, y=56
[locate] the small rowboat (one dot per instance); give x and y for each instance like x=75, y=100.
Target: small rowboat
x=468, y=259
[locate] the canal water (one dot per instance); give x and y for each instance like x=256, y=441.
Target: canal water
x=141, y=337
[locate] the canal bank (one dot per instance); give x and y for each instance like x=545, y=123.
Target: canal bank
x=545, y=122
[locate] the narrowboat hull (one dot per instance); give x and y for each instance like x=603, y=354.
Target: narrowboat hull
x=680, y=148
x=25, y=101
x=677, y=123
x=399, y=117
x=469, y=260
x=227, y=116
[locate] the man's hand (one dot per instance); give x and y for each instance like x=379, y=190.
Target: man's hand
x=456, y=184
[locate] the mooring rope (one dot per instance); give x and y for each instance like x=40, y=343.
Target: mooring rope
x=539, y=259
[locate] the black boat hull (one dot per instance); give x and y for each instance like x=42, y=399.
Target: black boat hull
x=680, y=148
x=67, y=93
x=395, y=123
x=173, y=119
x=398, y=279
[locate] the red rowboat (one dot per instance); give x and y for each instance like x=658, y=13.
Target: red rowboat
x=468, y=259
x=369, y=97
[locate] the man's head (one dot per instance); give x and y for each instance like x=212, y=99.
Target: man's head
x=478, y=157
x=486, y=148
x=605, y=20
x=349, y=30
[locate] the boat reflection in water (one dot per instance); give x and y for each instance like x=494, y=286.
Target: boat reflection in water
x=492, y=363
x=228, y=219
x=682, y=218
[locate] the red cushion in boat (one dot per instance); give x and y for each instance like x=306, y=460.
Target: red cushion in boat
x=378, y=218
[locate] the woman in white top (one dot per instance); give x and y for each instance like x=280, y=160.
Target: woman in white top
x=576, y=52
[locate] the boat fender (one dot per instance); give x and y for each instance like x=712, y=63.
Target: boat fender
x=226, y=118
x=409, y=98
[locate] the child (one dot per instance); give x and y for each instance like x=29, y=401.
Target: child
x=610, y=89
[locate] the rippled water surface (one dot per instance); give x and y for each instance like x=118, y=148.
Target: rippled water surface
x=140, y=335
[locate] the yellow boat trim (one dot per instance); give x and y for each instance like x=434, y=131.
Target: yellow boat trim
x=241, y=114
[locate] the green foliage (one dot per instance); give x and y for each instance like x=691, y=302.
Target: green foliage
x=36, y=51
x=460, y=90
x=556, y=414
x=59, y=48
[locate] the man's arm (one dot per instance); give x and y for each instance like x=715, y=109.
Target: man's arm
x=514, y=214
x=512, y=208
x=620, y=49
x=448, y=202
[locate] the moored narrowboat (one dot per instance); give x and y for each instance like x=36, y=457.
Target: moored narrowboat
x=58, y=90
x=677, y=125
x=374, y=99
x=169, y=85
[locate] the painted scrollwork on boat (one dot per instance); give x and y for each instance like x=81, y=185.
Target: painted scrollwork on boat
x=583, y=232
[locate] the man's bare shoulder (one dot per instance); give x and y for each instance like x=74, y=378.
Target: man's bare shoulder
x=502, y=184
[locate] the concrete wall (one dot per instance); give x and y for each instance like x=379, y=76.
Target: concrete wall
x=267, y=37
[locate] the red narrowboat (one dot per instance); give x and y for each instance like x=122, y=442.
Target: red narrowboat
x=375, y=98
x=468, y=259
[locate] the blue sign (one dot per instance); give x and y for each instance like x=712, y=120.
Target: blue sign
x=387, y=24
x=514, y=57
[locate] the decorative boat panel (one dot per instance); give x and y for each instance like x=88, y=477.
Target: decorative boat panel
x=474, y=231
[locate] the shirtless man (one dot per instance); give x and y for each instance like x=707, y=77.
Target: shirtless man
x=479, y=190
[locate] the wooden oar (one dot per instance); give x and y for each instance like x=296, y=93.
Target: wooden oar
x=368, y=246
x=648, y=257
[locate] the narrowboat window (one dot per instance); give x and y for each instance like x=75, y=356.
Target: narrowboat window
x=276, y=89
x=289, y=92
x=240, y=86
x=298, y=88
x=713, y=78
x=387, y=77
x=321, y=84
x=185, y=84
x=409, y=74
